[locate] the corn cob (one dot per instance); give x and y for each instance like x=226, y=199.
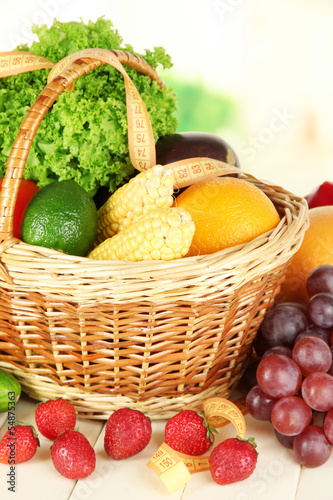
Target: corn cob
x=161, y=234
x=152, y=188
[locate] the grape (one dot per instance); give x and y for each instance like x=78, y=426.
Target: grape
x=249, y=378
x=330, y=370
x=328, y=425
x=311, y=447
x=317, y=391
x=279, y=376
x=286, y=441
x=259, y=403
x=312, y=354
x=282, y=324
x=278, y=349
x=320, y=280
x=315, y=332
x=320, y=310
x=325, y=332
x=291, y=415
x=332, y=338
x=260, y=345
x=299, y=305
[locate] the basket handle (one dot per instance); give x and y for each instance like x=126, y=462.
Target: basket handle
x=63, y=75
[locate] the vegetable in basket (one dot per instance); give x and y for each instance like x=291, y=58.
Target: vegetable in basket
x=160, y=234
x=183, y=145
x=152, y=188
x=84, y=135
x=26, y=191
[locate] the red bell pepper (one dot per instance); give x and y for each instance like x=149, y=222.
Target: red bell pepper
x=322, y=196
x=26, y=191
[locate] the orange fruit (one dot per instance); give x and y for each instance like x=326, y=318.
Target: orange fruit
x=316, y=249
x=227, y=211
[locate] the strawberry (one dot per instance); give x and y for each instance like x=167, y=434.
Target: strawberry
x=72, y=455
x=19, y=444
x=188, y=432
x=127, y=432
x=233, y=460
x=55, y=416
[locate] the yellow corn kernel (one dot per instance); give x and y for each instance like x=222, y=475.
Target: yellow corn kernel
x=152, y=188
x=161, y=234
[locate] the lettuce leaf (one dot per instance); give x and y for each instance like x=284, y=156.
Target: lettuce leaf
x=84, y=135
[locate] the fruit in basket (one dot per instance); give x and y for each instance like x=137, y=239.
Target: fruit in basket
x=183, y=145
x=316, y=250
x=10, y=391
x=54, y=417
x=226, y=211
x=127, y=432
x=19, y=444
x=161, y=234
x=26, y=191
x=61, y=216
x=73, y=456
x=152, y=188
x=233, y=460
x=188, y=432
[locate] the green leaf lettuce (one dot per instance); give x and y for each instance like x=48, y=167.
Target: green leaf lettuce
x=84, y=135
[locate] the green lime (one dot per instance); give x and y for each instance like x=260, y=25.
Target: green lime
x=62, y=216
x=10, y=391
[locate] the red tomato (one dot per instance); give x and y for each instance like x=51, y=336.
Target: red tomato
x=26, y=190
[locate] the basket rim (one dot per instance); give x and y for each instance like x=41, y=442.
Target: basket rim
x=252, y=245
x=269, y=250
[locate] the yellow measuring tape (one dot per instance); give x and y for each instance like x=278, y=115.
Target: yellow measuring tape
x=174, y=468
x=140, y=133
x=191, y=170
x=15, y=62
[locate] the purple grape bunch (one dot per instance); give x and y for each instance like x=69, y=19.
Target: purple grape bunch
x=293, y=388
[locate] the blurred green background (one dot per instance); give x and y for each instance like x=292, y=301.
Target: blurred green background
x=201, y=108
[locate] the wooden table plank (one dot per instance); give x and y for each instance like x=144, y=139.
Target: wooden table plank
x=125, y=479
x=316, y=483
x=38, y=478
x=277, y=474
x=275, y=477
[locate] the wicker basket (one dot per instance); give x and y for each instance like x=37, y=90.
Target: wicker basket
x=156, y=336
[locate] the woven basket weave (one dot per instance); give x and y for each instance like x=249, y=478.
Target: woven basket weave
x=156, y=336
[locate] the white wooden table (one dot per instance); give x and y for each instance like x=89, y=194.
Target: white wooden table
x=277, y=475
